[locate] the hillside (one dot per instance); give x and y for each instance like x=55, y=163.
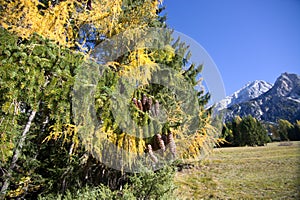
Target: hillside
x=249, y=91
x=281, y=101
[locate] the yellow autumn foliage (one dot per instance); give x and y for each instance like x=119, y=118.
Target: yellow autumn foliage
x=62, y=22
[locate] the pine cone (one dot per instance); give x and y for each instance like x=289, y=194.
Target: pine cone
x=135, y=102
x=149, y=104
x=144, y=102
x=171, y=143
x=160, y=142
x=140, y=105
x=151, y=154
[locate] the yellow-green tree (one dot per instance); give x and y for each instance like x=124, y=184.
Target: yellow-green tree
x=284, y=127
x=44, y=45
x=245, y=131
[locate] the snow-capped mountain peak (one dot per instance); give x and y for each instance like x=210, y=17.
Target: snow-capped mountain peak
x=286, y=83
x=249, y=91
x=282, y=101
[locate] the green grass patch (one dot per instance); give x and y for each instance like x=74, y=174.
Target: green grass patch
x=268, y=172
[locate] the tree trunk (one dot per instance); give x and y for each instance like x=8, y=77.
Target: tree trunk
x=16, y=155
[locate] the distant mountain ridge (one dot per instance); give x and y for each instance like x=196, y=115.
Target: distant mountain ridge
x=264, y=101
x=249, y=91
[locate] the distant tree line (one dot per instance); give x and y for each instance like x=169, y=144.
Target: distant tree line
x=248, y=131
x=284, y=131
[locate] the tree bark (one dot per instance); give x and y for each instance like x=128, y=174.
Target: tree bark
x=16, y=155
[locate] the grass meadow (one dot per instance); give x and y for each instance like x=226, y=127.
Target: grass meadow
x=268, y=172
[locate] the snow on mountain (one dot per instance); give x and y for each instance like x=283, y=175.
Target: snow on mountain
x=249, y=91
x=282, y=101
x=287, y=85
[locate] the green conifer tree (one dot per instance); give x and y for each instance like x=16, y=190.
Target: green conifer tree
x=284, y=127
x=41, y=148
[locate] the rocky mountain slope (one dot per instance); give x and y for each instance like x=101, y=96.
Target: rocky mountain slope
x=281, y=101
x=250, y=91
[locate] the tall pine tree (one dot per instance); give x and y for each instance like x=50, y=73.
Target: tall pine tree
x=43, y=54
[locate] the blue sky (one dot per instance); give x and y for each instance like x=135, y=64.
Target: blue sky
x=247, y=39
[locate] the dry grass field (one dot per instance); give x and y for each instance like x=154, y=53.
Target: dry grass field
x=268, y=172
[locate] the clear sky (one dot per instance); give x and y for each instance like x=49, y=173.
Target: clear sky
x=247, y=39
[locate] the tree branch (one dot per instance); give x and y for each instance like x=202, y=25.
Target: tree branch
x=16, y=154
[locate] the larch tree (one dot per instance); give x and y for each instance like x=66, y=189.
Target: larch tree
x=46, y=46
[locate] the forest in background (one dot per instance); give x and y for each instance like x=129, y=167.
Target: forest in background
x=248, y=131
